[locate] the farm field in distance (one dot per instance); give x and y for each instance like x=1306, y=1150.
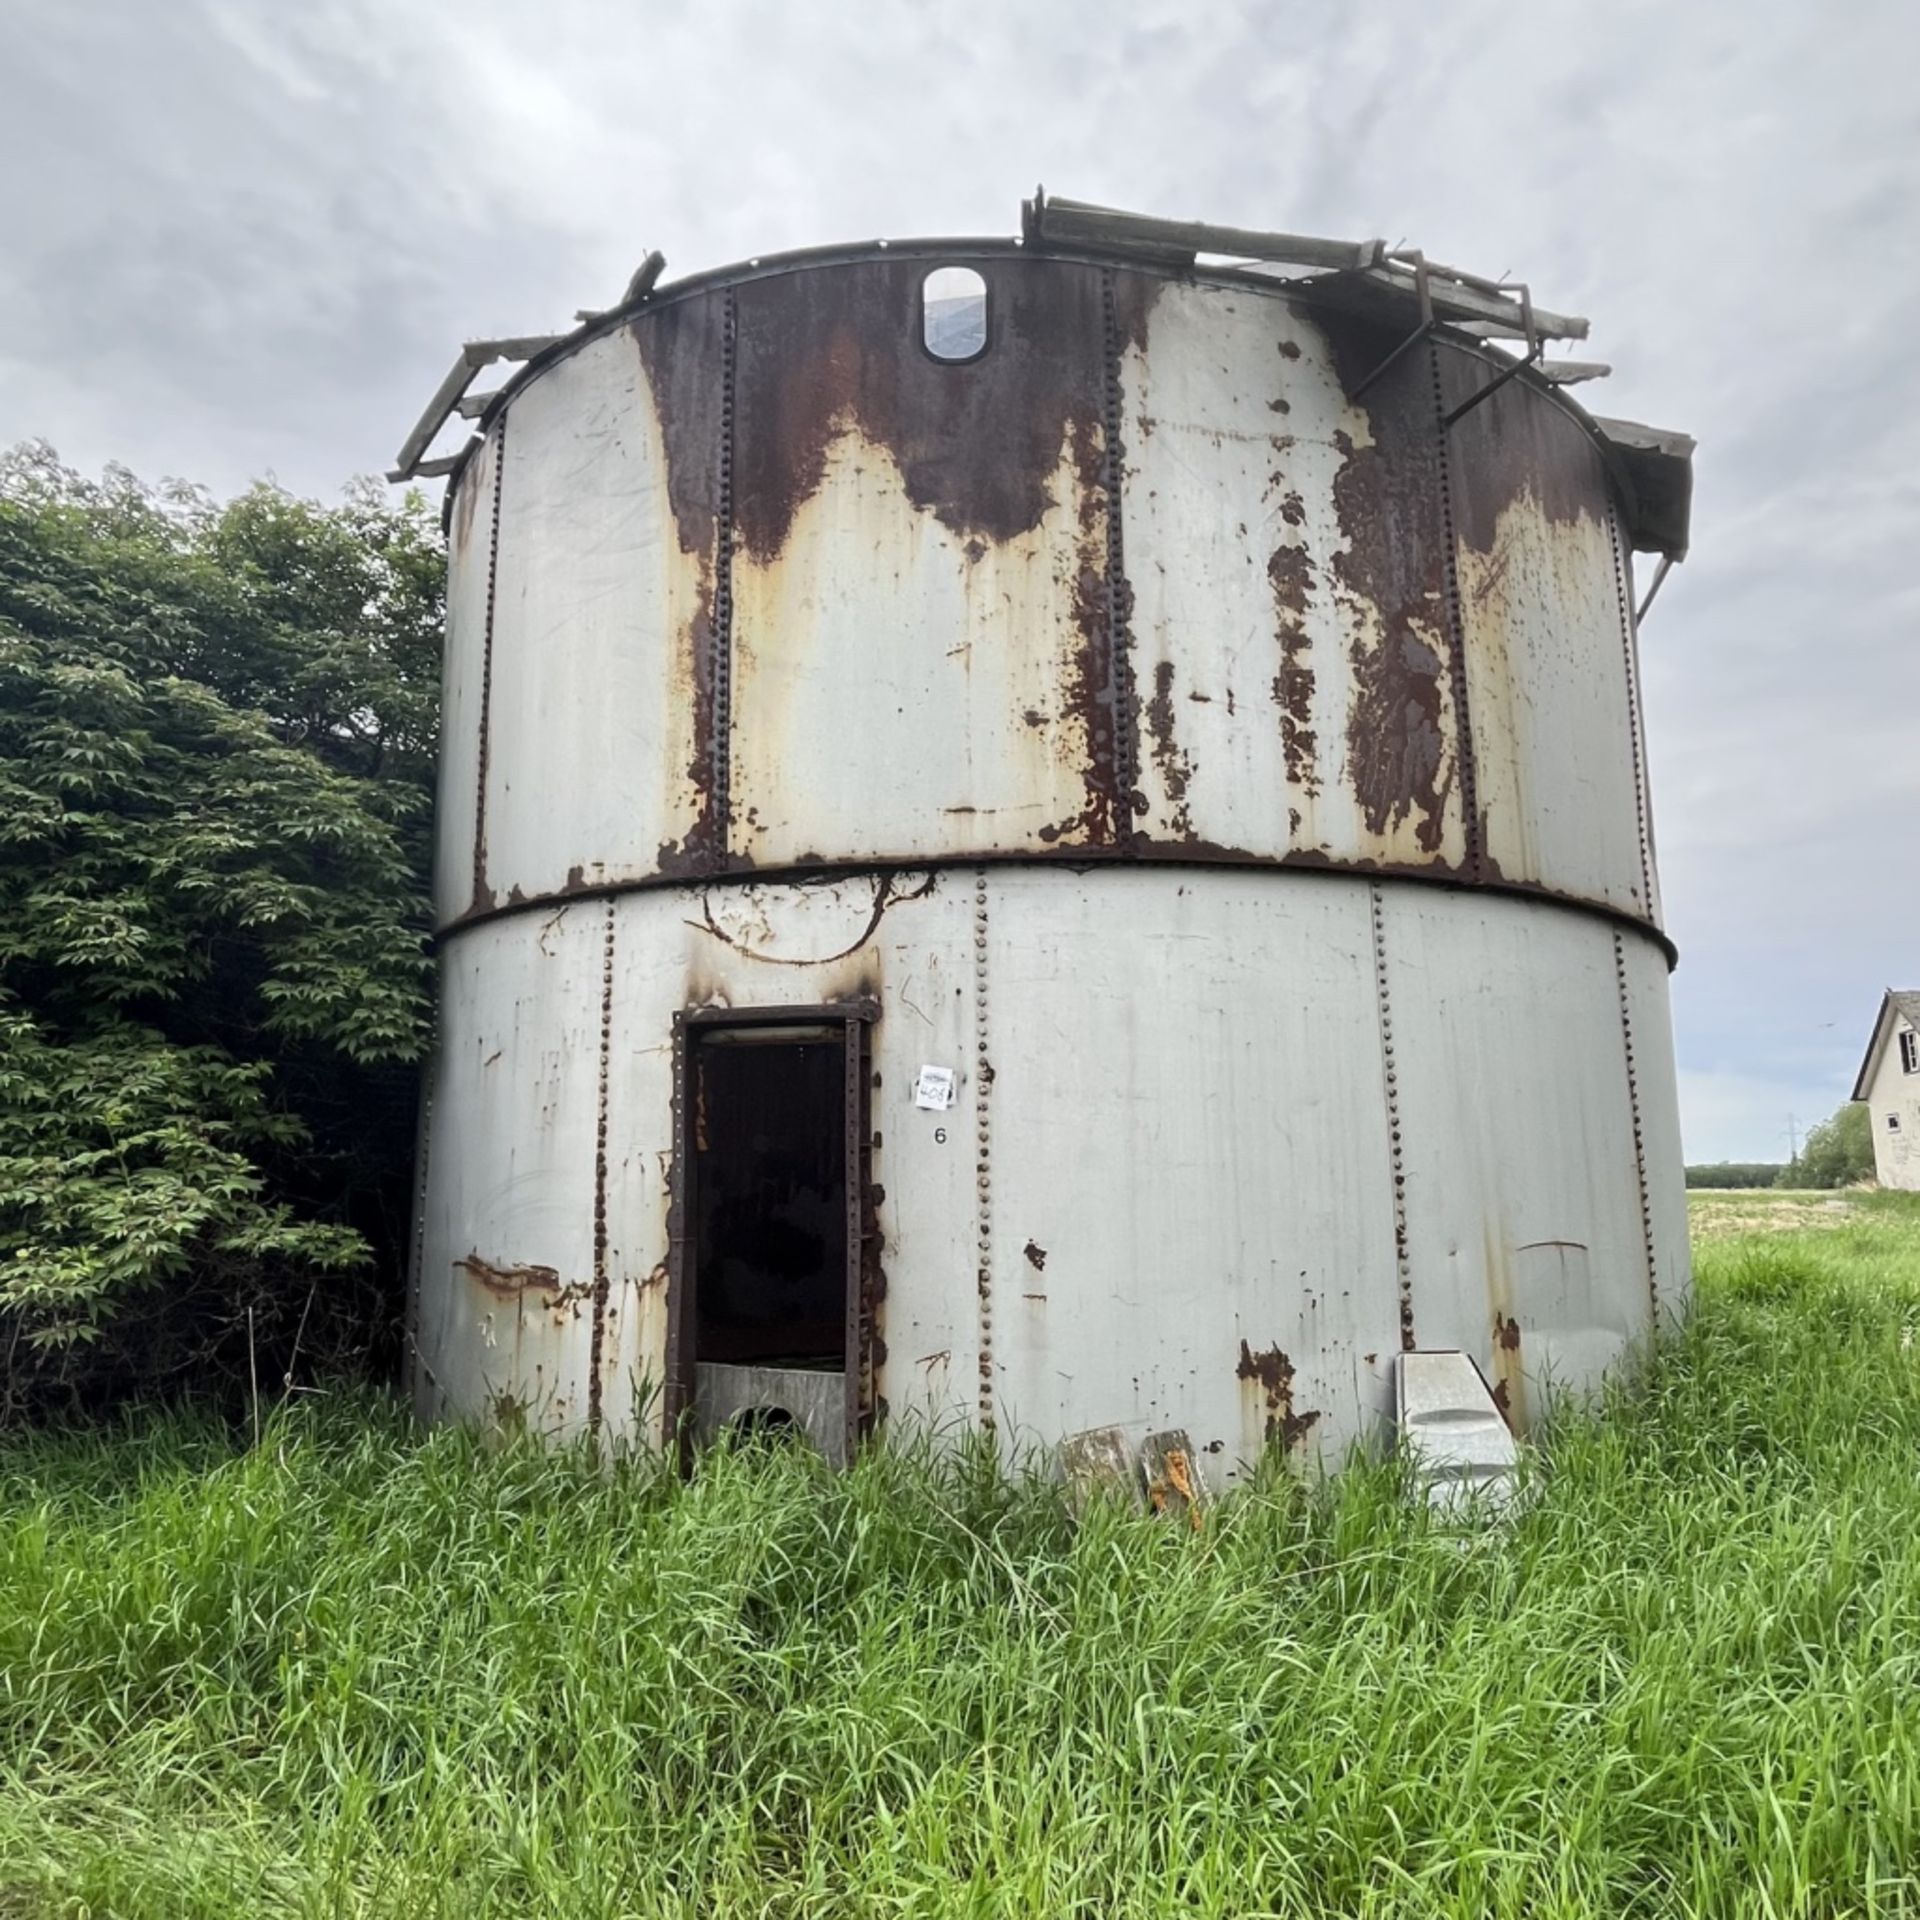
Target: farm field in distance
x=356, y=1670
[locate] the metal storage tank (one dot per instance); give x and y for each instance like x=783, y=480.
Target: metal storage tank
x=1046, y=834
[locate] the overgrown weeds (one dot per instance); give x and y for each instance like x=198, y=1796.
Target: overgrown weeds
x=353, y=1670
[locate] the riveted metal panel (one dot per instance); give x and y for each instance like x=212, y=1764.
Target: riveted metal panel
x=899, y=942
x=463, y=680
x=1656, y=1097
x=1522, y=1197
x=1295, y=658
x=507, y=1252
x=1185, y=1102
x=601, y=617
x=1549, y=686
x=920, y=613
x=1191, y=1200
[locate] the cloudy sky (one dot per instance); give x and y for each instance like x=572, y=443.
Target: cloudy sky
x=246, y=236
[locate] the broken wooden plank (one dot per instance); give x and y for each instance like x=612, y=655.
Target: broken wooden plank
x=1174, y=1485
x=1081, y=223
x=473, y=356
x=1098, y=1463
x=1570, y=373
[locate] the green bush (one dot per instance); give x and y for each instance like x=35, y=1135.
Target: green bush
x=217, y=729
x=1838, y=1152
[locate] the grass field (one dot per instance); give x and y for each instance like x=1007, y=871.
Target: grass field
x=352, y=1671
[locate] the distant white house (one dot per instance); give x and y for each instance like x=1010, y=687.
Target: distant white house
x=1889, y=1082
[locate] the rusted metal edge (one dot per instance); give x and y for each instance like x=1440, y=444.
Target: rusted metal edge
x=482, y=895
x=1653, y=468
x=957, y=249
x=857, y=1301
x=602, y=1281
x=1465, y=766
x=1639, y=1128
x=1144, y=855
x=1396, y=1145
x=1636, y=724
x=1125, y=705
x=676, y=1395
x=719, y=829
x=982, y=1155
x=1650, y=534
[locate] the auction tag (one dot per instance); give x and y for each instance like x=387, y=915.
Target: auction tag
x=934, y=1089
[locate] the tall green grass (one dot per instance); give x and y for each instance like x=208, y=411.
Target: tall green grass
x=357, y=1671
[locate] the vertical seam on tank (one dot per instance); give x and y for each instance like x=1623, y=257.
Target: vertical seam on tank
x=1396, y=1147
x=720, y=634
x=1456, y=619
x=486, y=671
x=1126, y=721
x=410, y=1326
x=982, y=1153
x=1630, y=650
x=674, y=1406
x=602, y=1283
x=1639, y=1129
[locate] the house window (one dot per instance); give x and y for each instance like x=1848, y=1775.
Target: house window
x=953, y=313
x=1910, y=1052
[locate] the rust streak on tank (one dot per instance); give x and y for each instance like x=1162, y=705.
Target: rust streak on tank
x=1272, y=1372
x=1176, y=769
x=1391, y=576
x=510, y=1278
x=977, y=444
x=682, y=348
x=1290, y=573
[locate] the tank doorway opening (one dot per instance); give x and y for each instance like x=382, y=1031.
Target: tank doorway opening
x=769, y=1247
x=768, y=1307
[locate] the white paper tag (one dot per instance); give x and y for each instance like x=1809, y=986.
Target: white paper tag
x=934, y=1089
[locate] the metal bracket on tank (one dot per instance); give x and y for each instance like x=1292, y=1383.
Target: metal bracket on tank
x=1423, y=292
x=1535, y=346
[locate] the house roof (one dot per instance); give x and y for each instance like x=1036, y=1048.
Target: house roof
x=1907, y=1006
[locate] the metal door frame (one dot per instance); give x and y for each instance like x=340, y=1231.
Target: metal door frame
x=862, y=1349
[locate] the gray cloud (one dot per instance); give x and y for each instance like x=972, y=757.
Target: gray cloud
x=256, y=233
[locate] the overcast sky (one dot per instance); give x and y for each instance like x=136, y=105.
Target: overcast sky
x=246, y=236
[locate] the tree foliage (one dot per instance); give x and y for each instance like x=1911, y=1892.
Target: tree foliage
x=1735, y=1174
x=1838, y=1152
x=216, y=737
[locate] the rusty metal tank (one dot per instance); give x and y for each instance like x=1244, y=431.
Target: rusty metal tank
x=1099, y=879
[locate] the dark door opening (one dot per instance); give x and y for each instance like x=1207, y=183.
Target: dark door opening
x=770, y=1191
x=770, y=1314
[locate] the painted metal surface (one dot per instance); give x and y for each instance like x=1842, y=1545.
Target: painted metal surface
x=775, y=588
x=464, y=682
x=1287, y=552
x=1190, y=1192
x=1545, y=632
x=1096, y=715
x=918, y=577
